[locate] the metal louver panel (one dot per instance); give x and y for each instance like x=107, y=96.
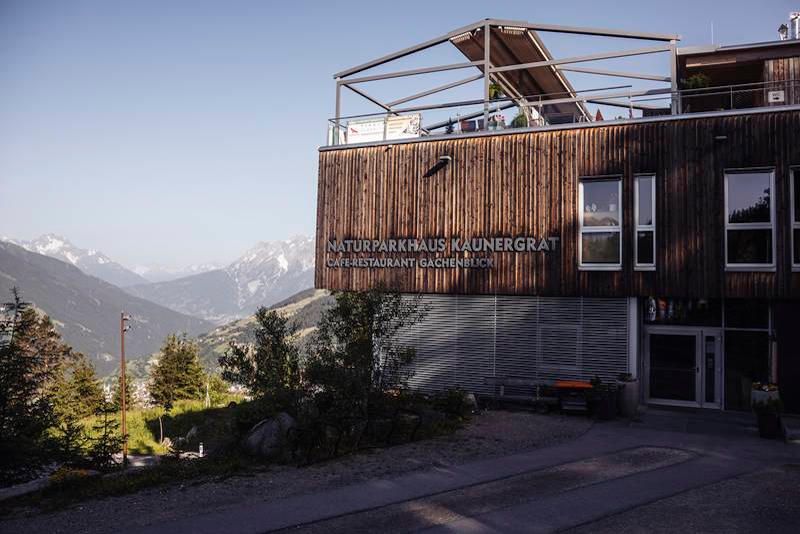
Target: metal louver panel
x=467, y=338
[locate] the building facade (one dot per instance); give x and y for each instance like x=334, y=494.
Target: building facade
x=664, y=245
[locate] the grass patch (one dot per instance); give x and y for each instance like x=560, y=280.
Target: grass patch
x=214, y=425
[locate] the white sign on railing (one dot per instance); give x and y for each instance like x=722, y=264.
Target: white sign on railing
x=383, y=128
x=776, y=97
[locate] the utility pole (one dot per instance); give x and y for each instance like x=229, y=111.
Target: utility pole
x=123, y=327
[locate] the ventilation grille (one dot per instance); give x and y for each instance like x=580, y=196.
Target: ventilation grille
x=465, y=339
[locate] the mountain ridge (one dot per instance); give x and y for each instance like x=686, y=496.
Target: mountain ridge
x=265, y=274
x=90, y=261
x=86, y=309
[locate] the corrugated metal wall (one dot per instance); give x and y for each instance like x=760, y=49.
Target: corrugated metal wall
x=466, y=338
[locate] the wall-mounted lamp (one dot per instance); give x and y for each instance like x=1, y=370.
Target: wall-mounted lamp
x=443, y=161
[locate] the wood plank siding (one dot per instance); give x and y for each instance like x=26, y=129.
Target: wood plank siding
x=527, y=184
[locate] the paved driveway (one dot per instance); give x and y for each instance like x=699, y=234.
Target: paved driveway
x=673, y=471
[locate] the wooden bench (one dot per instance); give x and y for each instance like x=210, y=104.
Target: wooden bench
x=568, y=395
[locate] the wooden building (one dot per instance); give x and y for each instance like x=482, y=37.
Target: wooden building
x=664, y=245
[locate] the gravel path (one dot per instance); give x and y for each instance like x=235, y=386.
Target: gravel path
x=491, y=434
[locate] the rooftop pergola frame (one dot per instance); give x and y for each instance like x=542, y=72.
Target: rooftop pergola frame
x=489, y=47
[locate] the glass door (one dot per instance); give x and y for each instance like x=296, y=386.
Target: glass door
x=682, y=366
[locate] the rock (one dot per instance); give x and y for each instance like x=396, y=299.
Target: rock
x=268, y=436
x=193, y=434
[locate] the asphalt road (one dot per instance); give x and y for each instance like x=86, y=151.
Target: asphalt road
x=670, y=473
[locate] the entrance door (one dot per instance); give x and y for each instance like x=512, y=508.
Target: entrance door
x=682, y=366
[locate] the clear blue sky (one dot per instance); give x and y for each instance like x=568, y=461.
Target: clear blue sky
x=183, y=132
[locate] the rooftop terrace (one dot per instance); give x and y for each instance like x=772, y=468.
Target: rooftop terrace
x=515, y=73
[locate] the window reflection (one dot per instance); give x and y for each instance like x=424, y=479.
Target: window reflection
x=645, y=201
x=749, y=198
x=601, y=203
x=600, y=247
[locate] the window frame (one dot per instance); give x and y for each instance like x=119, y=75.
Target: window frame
x=794, y=224
x=643, y=227
x=599, y=229
x=751, y=267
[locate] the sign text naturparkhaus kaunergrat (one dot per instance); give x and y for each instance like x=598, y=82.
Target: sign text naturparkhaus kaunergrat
x=421, y=250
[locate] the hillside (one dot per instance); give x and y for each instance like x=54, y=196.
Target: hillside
x=304, y=309
x=262, y=276
x=86, y=309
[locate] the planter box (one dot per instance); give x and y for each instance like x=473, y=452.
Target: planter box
x=769, y=425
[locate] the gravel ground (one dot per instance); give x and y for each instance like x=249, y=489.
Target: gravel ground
x=491, y=434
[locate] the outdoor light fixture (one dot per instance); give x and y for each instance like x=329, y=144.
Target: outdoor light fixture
x=513, y=30
x=461, y=37
x=783, y=32
x=443, y=161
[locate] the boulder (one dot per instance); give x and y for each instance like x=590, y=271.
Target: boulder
x=267, y=437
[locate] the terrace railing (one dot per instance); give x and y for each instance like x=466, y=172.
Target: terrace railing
x=536, y=111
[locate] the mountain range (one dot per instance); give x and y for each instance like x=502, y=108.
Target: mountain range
x=262, y=276
x=86, y=309
x=160, y=273
x=91, y=262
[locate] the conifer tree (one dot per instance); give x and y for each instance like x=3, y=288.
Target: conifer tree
x=31, y=353
x=178, y=374
x=77, y=391
x=116, y=395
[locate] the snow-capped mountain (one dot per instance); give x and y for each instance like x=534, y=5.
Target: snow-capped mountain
x=91, y=262
x=264, y=275
x=160, y=273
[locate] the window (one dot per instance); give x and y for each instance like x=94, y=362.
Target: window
x=644, y=241
x=749, y=220
x=795, y=183
x=600, y=221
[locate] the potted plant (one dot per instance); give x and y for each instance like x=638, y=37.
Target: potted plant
x=495, y=91
x=767, y=406
x=520, y=121
x=604, y=399
x=628, y=394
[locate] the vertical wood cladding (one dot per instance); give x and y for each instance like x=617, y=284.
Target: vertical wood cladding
x=527, y=184
x=784, y=70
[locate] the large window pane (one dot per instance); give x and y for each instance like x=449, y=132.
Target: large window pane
x=645, y=200
x=797, y=246
x=600, y=247
x=796, y=199
x=746, y=313
x=749, y=246
x=746, y=361
x=644, y=248
x=749, y=197
x=601, y=203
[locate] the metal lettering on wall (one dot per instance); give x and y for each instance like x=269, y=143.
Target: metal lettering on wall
x=432, y=252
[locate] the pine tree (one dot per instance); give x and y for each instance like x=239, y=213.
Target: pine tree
x=116, y=396
x=178, y=374
x=77, y=391
x=108, y=440
x=31, y=354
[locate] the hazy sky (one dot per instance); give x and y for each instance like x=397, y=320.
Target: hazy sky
x=184, y=132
